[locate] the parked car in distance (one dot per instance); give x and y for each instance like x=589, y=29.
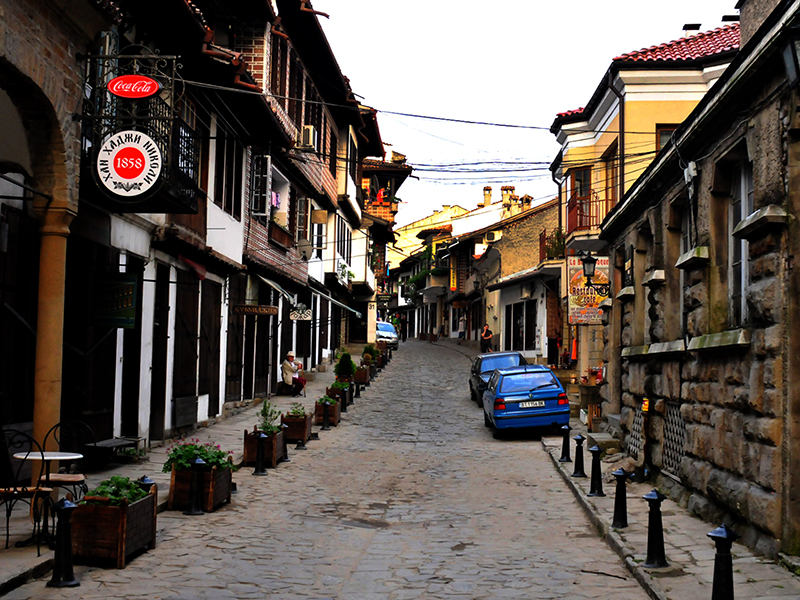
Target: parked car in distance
x=386, y=333
x=482, y=369
x=523, y=397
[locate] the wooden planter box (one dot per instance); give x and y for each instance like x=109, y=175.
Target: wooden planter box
x=273, y=449
x=334, y=414
x=101, y=532
x=216, y=489
x=338, y=394
x=299, y=429
x=362, y=375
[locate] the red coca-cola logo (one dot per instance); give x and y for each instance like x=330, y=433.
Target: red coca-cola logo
x=133, y=86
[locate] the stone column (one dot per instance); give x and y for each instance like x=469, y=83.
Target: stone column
x=54, y=231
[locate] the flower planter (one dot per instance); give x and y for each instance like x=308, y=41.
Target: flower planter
x=334, y=414
x=273, y=448
x=362, y=375
x=112, y=533
x=339, y=394
x=216, y=489
x=299, y=427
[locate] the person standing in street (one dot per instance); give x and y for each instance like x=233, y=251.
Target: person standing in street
x=486, y=339
x=462, y=329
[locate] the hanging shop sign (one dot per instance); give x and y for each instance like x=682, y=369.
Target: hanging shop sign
x=255, y=309
x=129, y=163
x=133, y=86
x=584, y=301
x=300, y=315
x=114, y=300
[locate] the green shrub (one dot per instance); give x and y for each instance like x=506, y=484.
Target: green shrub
x=327, y=398
x=269, y=418
x=345, y=368
x=118, y=489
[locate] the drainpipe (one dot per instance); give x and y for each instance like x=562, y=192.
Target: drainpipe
x=621, y=136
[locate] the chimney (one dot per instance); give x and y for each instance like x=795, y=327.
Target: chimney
x=487, y=197
x=526, y=202
x=508, y=191
x=690, y=29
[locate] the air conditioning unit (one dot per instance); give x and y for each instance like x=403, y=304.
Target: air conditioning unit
x=493, y=236
x=308, y=137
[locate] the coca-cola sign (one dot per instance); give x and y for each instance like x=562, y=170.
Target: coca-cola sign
x=133, y=86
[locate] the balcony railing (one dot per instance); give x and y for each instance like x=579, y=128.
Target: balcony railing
x=551, y=246
x=587, y=212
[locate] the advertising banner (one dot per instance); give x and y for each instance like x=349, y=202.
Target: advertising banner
x=584, y=301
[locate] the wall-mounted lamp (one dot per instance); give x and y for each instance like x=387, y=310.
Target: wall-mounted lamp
x=791, y=56
x=589, y=263
x=476, y=284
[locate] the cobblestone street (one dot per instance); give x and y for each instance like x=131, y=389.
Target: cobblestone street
x=410, y=497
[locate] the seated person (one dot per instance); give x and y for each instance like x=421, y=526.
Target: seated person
x=291, y=374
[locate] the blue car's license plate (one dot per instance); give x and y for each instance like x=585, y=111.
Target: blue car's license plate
x=532, y=404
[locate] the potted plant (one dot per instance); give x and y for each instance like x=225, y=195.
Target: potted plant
x=339, y=390
x=334, y=411
x=273, y=446
x=298, y=422
x=345, y=368
x=217, y=474
x=115, y=520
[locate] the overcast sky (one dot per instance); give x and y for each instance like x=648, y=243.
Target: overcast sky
x=517, y=62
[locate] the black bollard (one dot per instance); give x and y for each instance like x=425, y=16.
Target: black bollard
x=196, y=488
x=285, y=445
x=343, y=400
x=579, y=472
x=234, y=488
x=723, y=562
x=314, y=436
x=620, y=499
x=261, y=469
x=565, y=444
x=63, y=574
x=146, y=483
x=390, y=354
x=358, y=390
x=656, y=558
x=325, y=418
x=350, y=394
x=596, y=484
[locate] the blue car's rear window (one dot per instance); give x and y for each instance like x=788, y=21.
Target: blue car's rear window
x=498, y=362
x=526, y=382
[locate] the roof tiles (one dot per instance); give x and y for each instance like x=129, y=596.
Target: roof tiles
x=697, y=46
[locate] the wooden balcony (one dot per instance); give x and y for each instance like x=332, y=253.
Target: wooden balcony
x=280, y=236
x=587, y=212
x=551, y=246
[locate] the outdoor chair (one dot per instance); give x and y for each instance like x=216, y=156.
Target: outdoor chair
x=15, y=479
x=75, y=437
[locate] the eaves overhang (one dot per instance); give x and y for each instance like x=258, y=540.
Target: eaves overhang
x=710, y=112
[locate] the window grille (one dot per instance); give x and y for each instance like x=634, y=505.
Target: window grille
x=674, y=439
x=635, y=434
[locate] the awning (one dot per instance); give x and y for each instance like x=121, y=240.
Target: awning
x=290, y=297
x=336, y=302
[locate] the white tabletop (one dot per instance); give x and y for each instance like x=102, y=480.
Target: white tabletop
x=48, y=456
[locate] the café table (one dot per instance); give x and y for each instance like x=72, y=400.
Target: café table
x=44, y=534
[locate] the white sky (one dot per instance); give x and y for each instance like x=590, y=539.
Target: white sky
x=505, y=61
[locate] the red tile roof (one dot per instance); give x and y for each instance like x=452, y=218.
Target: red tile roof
x=697, y=46
x=570, y=113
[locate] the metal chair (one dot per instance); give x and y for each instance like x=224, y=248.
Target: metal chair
x=16, y=484
x=70, y=436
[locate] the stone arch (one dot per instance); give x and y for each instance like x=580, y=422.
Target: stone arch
x=46, y=165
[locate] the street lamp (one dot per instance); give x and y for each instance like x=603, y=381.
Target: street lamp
x=589, y=263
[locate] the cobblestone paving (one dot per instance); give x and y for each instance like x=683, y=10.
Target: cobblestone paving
x=410, y=497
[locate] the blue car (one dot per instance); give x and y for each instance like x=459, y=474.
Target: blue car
x=484, y=365
x=524, y=396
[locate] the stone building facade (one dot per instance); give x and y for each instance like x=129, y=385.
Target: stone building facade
x=702, y=329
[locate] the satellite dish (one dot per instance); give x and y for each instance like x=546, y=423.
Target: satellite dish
x=305, y=249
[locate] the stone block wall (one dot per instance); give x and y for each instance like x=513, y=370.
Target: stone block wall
x=520, y=242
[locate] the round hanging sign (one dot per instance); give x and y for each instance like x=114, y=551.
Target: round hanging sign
x=129, y=163
x=133, y=86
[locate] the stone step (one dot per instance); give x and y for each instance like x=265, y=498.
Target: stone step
x=605, y=440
